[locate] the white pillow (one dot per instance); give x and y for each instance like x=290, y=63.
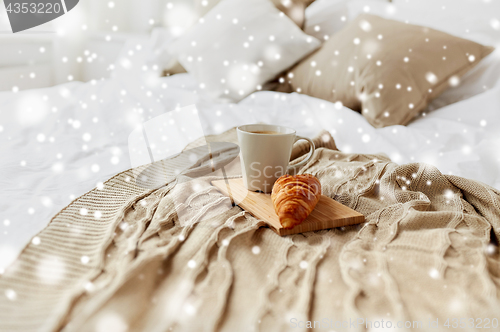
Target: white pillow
x=484, y=76
x=325, y=18
x=476, y=20
x=240, y=45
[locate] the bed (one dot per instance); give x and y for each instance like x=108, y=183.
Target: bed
x=66, y=141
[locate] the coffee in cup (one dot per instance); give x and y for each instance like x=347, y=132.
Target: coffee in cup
x=265, y=154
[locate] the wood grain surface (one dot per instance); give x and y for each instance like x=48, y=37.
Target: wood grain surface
x=328, y=213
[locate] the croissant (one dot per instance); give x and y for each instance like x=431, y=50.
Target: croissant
x=294, y=198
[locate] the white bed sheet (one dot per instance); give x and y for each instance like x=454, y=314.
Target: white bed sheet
x=58, y=143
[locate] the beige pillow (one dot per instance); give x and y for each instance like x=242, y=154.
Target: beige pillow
x=386, y=69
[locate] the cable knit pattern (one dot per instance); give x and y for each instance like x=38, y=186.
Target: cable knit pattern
x=167, y=252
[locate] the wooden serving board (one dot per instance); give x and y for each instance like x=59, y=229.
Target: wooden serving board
x=328, y=213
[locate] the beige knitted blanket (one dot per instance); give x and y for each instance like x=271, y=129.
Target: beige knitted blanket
x=169, y=253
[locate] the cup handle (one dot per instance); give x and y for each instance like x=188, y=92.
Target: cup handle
x=309, y=156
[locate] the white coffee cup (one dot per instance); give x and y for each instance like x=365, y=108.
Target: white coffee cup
x=265, y=154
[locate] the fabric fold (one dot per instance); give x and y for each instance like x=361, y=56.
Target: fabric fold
x=158, y=249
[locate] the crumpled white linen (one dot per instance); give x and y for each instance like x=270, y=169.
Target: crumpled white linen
x=60, y=142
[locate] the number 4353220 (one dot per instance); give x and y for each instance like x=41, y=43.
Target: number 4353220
x=478, y=323
x=34, y=8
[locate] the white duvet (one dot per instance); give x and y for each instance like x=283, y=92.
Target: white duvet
x=58, y=143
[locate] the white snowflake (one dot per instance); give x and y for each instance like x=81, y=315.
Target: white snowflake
x=490, y=249
x=89, y=286
x=434, y=273
x=40, y=138
x=11, y=294
x=51, y=270
x=87, y=137
x=431, y=77
x=454, y=80
x=495, y=24
x=365, y=25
